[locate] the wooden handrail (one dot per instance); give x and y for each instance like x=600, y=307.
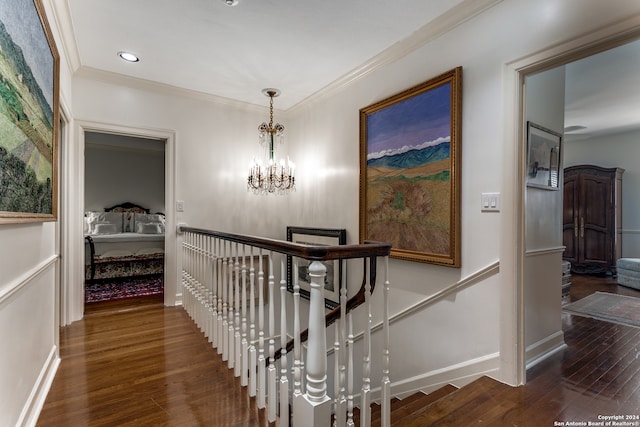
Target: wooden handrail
x=311, y=252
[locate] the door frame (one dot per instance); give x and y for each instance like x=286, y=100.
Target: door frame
x=513, y=228
x=74, y=262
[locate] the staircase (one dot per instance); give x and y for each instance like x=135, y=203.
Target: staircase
x=481, y=402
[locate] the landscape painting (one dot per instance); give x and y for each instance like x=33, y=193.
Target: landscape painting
x=28, y=114
x=410, y=171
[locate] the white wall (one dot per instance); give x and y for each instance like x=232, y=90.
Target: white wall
x=543, y=226
x=620, y=150
x=29, y=272
x=117, y=174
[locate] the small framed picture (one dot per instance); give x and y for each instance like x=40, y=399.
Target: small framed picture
x=335, y=269
x=543, y=157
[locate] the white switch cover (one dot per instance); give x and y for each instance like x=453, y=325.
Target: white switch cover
x=180, y=206
x=490, y=202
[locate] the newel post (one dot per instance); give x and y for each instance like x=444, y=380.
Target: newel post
x=314, y=407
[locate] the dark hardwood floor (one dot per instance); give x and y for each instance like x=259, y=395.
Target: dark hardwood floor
x=137, y=363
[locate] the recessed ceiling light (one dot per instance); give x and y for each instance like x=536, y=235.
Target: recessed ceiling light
x=230, y=2
x=128, y=56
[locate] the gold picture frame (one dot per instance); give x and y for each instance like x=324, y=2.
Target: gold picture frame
x=29, y=115
x=410, y=151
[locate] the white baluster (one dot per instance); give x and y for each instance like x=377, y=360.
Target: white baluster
x=214, y=291
x=297, y=358
x=284, y=380
x=271, y=371
x=314, y=408
x=236, y=323
x=341, y=400
x=340, y=408
x=253, y=358
x=386, y=381
x=261, y=401
x=365, y=394
x=220, y=286
x=350, y=339
x=244, y=378
x=225, y=300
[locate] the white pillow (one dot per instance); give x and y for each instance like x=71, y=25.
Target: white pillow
x=147, y=218
x=105, y=228
x=149, y=228
x=94, y=218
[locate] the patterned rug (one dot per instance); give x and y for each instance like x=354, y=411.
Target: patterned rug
x=608, y=307
x=128, y=287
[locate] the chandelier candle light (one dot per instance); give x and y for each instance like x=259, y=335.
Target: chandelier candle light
x=271, y=177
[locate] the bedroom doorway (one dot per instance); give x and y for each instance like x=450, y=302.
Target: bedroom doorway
x=124, y=216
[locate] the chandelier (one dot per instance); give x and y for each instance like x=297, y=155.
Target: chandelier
x=268, y=175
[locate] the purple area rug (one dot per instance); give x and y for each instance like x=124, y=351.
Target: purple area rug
x=127, y=287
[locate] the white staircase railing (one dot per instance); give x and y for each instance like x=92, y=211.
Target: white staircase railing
x=225, y=277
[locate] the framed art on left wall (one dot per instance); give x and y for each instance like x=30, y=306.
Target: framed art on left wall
x=29, y=114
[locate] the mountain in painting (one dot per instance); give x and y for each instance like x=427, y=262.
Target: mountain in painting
x=413, y=158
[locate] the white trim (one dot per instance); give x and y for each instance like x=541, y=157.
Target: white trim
x=458, y=375
x=513, y=230
x=35, y=401
x=543, y=349
x=480, y=275
x=444, y=23
x=171, y=282
x=473, y=278
x=17, y=284
x=545, y=251
x=626, y=231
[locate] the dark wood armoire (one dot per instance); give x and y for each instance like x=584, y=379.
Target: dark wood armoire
x=592, y=218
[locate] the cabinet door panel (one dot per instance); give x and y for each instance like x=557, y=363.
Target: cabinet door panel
x=569, y=220
x=595, y=219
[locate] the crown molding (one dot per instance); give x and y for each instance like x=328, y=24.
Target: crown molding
x=61, y=15
x=156, y=87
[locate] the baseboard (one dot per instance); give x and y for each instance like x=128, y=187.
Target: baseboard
x=539, y=351
x=459, y=375
x=33, y=406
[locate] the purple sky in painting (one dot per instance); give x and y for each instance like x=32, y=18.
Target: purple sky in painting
x=412, y=122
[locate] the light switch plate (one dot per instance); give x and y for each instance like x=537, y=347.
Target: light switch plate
x=180, y=206
x=490, y=202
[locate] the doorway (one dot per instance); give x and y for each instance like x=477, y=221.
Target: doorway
x=124, y=216
x=588, y=138
x=74, y=263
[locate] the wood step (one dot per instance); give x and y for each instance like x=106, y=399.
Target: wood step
x=423, y=401
x=400, y=408
x=483, y=401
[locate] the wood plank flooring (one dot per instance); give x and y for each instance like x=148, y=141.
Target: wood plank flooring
x=138, y=363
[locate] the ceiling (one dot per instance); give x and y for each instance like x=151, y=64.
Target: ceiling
x=299, y=47
x=305, y=47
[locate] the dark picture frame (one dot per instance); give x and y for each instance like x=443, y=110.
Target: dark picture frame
x=410, y=154
x=336, y=270
x=29, y=114
x=544, y=148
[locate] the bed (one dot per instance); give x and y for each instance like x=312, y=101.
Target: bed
x=125, y=240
